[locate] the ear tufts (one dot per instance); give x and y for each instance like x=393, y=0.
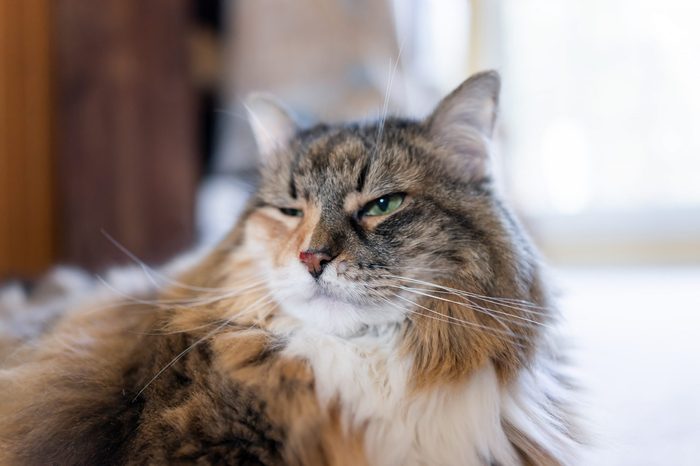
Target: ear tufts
x=272, y=124
x=473, y=103
x=463, y=123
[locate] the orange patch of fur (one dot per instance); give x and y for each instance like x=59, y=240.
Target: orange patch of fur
x=449, y=341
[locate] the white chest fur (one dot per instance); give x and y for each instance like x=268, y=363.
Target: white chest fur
x=456, y=425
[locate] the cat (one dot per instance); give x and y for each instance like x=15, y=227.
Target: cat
x=376, y=304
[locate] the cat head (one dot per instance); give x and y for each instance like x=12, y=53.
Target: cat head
x=356, y=225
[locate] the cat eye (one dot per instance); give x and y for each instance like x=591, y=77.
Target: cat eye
x=292, y=212
x=383, y=205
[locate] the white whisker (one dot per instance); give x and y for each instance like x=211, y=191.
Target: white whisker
x=471, y=305
x=183, y=303
x=258, y=303
x=457, y=320
x=491, y=299
x=151, y=273
x=437, y=316
x=387, y=94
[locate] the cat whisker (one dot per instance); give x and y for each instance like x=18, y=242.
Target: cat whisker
x=435, y=315
x=237, y=315
x=411, y=268
x=453, y=319
x=446, y=318
x=258, y=303
x=175, y=332
x=184, y=303
x=387, y=94
x=113, y=305
x=500, y=322
x=505, y=302
x=177, y=358
x=153, y=274
x=470, y=305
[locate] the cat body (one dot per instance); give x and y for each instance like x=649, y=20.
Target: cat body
x=376, y=304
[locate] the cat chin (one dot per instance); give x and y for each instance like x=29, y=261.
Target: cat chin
x=336, y=317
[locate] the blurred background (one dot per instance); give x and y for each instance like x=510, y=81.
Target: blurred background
x=126, y=117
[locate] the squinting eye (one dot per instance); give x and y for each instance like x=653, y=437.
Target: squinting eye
x=292, y=212
x=384, y=205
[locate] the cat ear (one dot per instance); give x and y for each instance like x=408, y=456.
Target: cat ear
x=463, y=121
x=272, y=125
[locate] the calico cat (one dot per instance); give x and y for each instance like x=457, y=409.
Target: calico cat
x=376, y=304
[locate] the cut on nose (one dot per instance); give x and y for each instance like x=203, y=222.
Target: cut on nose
x=315, y=261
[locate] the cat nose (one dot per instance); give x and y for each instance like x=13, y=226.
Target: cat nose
x=315, y=261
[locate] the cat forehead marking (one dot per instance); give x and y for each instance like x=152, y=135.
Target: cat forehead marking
x=331, y=166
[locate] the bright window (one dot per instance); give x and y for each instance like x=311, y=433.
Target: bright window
x=602, y=104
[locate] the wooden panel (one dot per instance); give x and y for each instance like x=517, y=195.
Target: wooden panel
x=125, y=129
x=26, y=223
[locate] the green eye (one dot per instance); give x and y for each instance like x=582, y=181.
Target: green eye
x=292, y=212
x=384, y=205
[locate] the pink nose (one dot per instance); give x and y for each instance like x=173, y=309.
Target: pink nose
x=315, y=261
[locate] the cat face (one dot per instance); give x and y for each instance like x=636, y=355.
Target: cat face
x=347, y=217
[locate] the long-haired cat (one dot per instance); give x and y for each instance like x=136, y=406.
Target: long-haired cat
x=375, y=304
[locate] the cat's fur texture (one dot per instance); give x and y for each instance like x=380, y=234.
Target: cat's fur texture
x=424, y=340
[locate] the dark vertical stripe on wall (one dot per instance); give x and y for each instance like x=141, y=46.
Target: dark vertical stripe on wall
x=126, y=129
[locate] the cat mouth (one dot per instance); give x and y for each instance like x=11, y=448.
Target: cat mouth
x=335, y=293
x=322, y=290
